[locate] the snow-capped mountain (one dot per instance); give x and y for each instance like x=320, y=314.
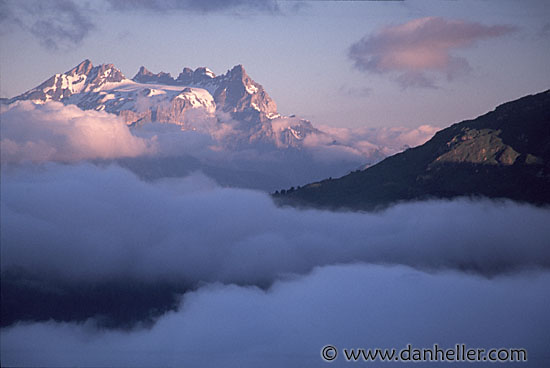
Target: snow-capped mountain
x=193, y=96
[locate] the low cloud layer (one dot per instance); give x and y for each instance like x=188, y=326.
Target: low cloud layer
x=101, y=268
x=421, y=50
x=55, y=132
x=215, y=144
x=222, y=276
x=387, y=140
x=86, y=223
x=348, y=306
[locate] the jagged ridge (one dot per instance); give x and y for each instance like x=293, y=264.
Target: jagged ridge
x=149, y=97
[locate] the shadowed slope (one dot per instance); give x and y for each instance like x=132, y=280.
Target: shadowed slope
x=502, y=154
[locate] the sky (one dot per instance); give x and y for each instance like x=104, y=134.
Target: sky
x=350, y=64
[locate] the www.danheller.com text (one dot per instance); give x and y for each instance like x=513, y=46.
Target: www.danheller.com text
x=457, y=353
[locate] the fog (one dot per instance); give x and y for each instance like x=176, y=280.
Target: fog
x=83, y=222
x=389, y=140
x=106, y=266
x=212, y=143
x=348, y=306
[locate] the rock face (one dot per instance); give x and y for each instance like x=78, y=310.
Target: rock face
x=149, y=97
x=502, y=154
x=240, y=95
x=84, y=78
x=234, y=91
x=145, y=76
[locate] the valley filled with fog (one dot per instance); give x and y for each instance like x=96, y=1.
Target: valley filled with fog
x=176, y=267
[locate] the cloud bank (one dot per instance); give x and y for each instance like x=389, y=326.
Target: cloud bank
x=422, y=48
x=387, y=140
x=348, y=306
x=216, y=145
x=92, y=224
x=100, y=268
x=55, y=132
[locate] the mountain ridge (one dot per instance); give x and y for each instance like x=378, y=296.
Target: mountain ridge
x=150, y=97
x=504, y=153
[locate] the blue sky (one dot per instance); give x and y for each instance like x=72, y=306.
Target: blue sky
x=300, y=51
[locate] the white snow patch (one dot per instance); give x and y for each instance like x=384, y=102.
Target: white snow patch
x=296, y=134
x=210, y=73
x=155, y=92
x=250, y=88
x=107, y=97
x=198, y=97
x=76, y=83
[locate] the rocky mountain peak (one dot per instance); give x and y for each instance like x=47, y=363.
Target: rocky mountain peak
x=234, y=92
x=203, y=71
x=103, y=72
x=199, y=75
x=106, y=73
x=83, y=68
x=238, y=71
x=143, y=71
x=145, y=76
x=241, y=95
x=82, y=78
x=239, y=79
x=198, y=91
x=185, y=77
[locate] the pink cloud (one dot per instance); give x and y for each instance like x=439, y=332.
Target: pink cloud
x=65, y=133
x=421, y=47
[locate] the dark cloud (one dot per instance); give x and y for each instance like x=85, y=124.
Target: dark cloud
x=61, y=24
x=56, y=23
x=544, y=31
x=422, y=49
x=199, y=6
x=5, y=11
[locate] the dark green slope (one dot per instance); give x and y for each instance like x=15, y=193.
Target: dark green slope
x=502, y=154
